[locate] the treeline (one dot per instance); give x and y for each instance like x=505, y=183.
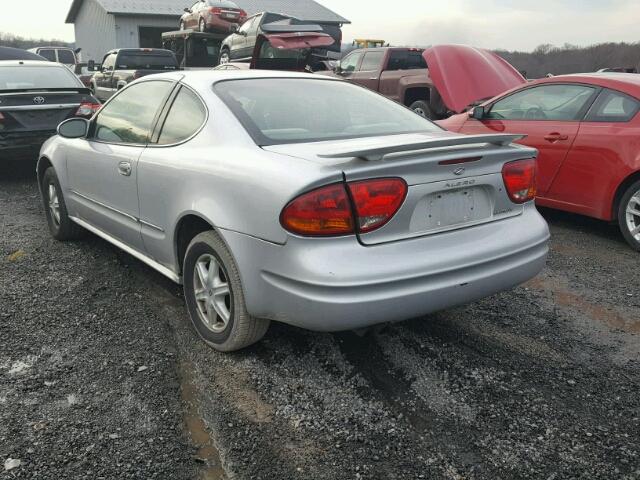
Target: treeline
x=16, y=41
x=573, y=59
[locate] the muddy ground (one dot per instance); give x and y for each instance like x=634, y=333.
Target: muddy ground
x=101, y=375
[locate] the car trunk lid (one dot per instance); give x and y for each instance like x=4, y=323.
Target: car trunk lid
x=287, y=51
x=22, y=111
x=465, y=75
x=453, y=181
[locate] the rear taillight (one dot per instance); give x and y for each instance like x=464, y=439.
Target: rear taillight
x=1, y=117
x=243, y=14
x=87, y=109
x=520, y=179
x=215, y=10
x=377, y=201
x=328, y=211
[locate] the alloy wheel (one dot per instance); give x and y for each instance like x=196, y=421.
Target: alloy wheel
x=420, y=112
x=633, y=216
x=224, y=58
x=213, y=293
x=54, y=204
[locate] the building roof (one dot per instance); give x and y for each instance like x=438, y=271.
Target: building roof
x=309, y=10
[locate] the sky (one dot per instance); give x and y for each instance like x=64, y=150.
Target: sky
x=503, y=24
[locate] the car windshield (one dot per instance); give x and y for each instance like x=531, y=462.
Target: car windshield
x=221, y=3
x=32, y=77
x=140, y=61
x=295, y=110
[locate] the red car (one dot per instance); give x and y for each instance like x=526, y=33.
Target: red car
x=587, y=130
x=220, y=16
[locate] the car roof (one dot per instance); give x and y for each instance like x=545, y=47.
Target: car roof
x=30, y=63
x=628, y=83
x=205, y=78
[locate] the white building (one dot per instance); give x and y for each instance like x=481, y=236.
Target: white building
x=102, y=25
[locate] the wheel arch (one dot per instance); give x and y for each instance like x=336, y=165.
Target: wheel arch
x=187, y=228
x=626, y=183
x=43, y=164
x=415, y=93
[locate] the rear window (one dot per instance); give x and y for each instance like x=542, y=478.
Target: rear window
x=406, y=60
x=142, y=61
x=29, y=78
x=222, y=4
x=48, y=53
x=67, y=57
x=295, y=110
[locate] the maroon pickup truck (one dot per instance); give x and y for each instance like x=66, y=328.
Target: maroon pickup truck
x=434, y=82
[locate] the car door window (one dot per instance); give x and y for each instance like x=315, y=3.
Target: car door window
x=349, y=63
x=406, y=60
x=129, y=117
x=109, y=62
x=185, y=118
x=66, y=57
x=371, y=61
x=612, y=106
x=246, y=26
x=546, y=102
x=48, y=53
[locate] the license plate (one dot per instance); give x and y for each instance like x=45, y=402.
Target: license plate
x=229, y=15
x=455, y=207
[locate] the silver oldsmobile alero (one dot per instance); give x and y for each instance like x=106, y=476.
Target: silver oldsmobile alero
x=295, y=198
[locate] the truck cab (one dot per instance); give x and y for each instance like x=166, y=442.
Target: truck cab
x=122, y=66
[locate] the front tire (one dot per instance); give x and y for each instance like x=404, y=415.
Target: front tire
x=60, y=225
x=215, y=298
x=423, y=109
x=629, y=215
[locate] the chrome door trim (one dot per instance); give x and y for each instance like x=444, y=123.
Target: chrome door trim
x=167, y=272
x=115, y=210
x=58, y=106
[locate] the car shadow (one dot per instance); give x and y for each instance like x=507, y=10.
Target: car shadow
x=581, y=223
x=18, y=169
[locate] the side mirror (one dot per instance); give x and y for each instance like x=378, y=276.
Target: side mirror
x=234, y=28
x=337, y=68
x=478, y=113
x=74, y=128
x=187, y=10
x=91, y=65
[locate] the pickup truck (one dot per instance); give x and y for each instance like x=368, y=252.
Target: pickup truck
x=124, y=65
x=434, y=82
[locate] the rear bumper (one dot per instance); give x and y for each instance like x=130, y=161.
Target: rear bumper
x=337, y=284
x=18, y=145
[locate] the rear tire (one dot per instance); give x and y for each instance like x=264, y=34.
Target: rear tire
x=60, y=225
x=423, y=109
x=215, y=298
x=629, y=215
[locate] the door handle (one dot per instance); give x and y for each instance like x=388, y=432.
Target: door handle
x=124, y=169
x=556, y=137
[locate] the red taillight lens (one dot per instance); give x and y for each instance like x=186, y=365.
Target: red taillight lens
x=377, y=201
x=243, y=14
x=87, y=109
x=328, y=211
x=520, y=179
x=322, y=212
x=215, y=10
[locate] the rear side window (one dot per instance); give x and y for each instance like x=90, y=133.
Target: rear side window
x=613, y=106
x=371, y=61
x=48, y=53
x=142, y=61
x=185, y=118
x=129, y=116
x=67, y=57
x=406, y=60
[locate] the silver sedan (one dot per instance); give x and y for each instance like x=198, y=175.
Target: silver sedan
x=287, y=197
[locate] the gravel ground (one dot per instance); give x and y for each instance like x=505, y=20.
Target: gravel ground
x=539, y=382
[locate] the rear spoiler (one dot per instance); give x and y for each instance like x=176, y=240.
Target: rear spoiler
x=45, y=90
x=284, y=28
x=378, y=153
